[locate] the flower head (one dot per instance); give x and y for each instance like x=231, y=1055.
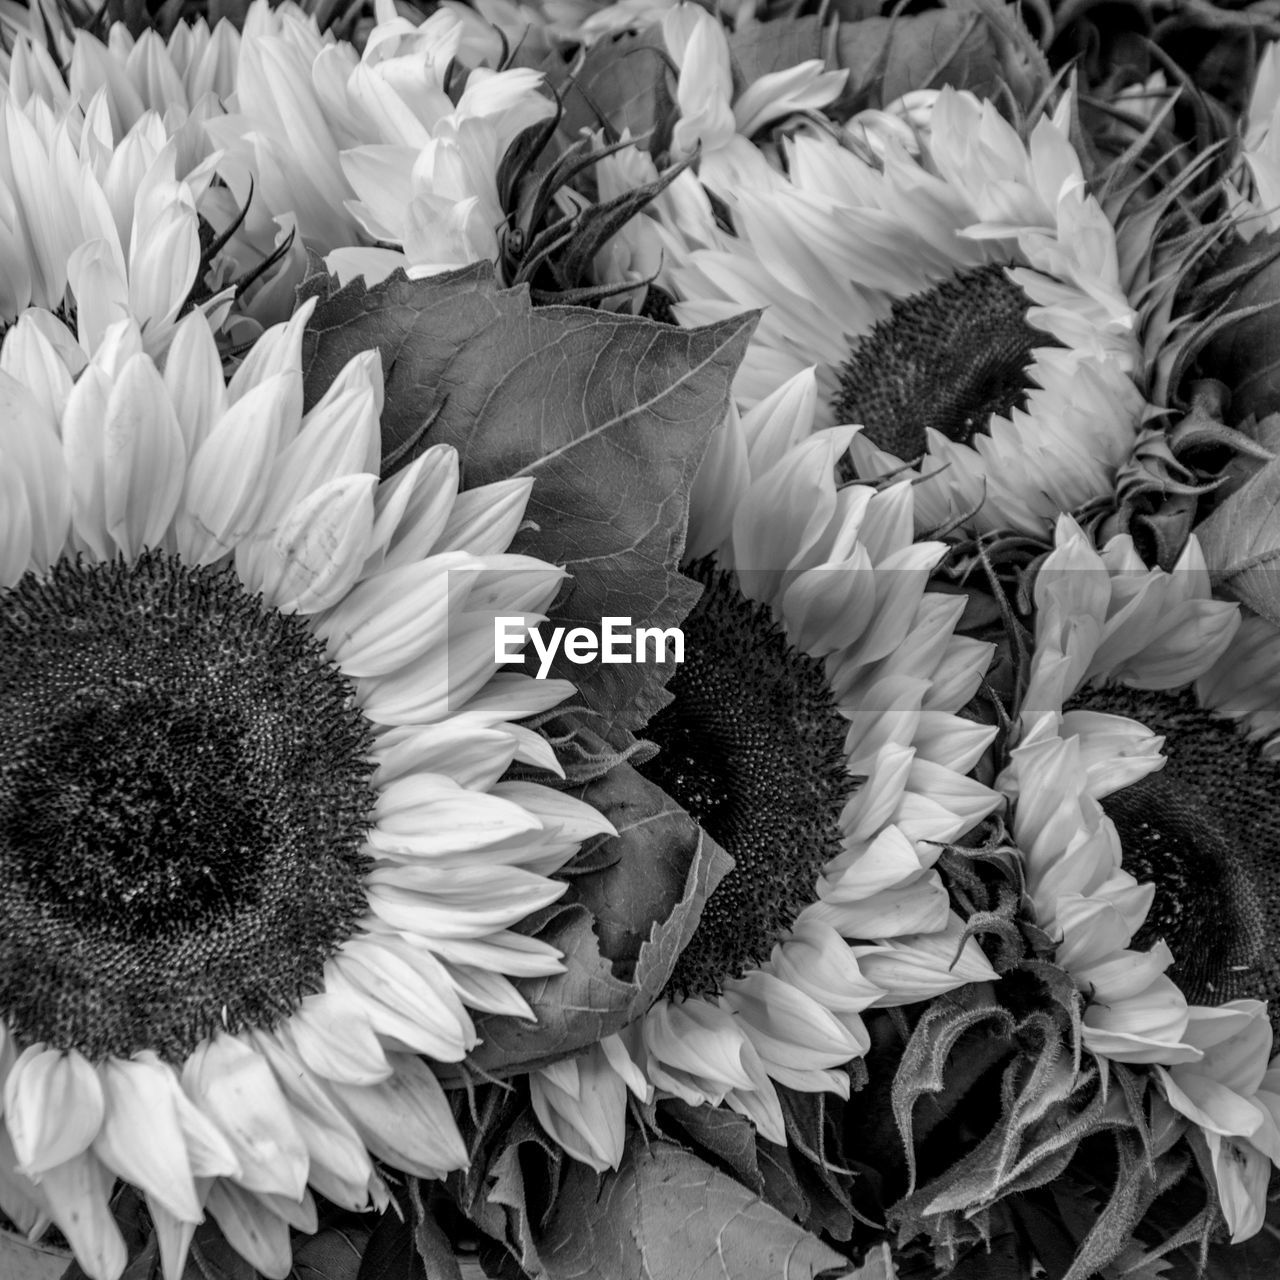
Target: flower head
x=256, y=855
x=812, y=733
x=379, y=166
x=1145, y=818
x=964, y=305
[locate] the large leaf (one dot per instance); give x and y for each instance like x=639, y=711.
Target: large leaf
x=622, y=80
x=515, y=1173
x=333, y=1253
x=621, y=926
x=978, y=45
x=815, y=1157
x=1241, y=543
x=728, y=1138
x=609, y=414
x=666, y=1213
x=764, y=47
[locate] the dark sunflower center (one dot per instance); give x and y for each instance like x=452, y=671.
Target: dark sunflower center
x=752, y=745
x=949, y=358
x=184, y=792
x=1205, y=831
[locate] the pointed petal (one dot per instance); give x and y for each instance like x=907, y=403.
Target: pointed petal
x=227, y=480
x=141, y=1139
x=78, y=1201
x=144, y=459
x=53, y=1106
x=235, y=1088
x=310, y=561
x=257, y=1234
x=406, y=1119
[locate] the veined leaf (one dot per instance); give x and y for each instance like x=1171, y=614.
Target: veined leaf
x=667, y=1213
x=621, y=927
x=1241, y=543
x=609, y=414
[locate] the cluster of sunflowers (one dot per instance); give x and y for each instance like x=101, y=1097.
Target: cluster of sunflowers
x=914, y=368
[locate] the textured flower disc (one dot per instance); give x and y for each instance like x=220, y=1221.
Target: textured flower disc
x=184, y=795
x=1204, y=830
x=752, y=746
x=948, y=358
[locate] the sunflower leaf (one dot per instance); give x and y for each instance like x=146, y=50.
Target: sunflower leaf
x=621, y=926
x=764, y=47
x=668, y=1213
x=722, y=1136
x=782, y=1186
x=494, y=1193
x=622, y=81
x=978, y=45
x=1241, y=543
x=333, y=1253
x=816, y=1161
x=609, y=414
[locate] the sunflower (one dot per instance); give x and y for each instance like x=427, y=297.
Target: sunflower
x=1145, y=807
x=964, y=305
x=256, y=856
x=175, y=78
x=813, y=733
x=113, y=201
x=101, y=222
x=380, y=167
x=715, y=123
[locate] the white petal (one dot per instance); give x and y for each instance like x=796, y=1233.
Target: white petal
x=83, y=447
x=315, y=554
x=141, y=1139
x=227, y=481
x=144, y=459
x=235, y=1088
x=278, y=351
x=173, y=1235
x=395, y=616
x=78, y=1193
x=334, y=1039
x=257, y=1234
x=484, y=520
x=15, y=524
x=332, y=1142
x=406, y=1120
x=53, y=1106
x=457, y=902
x=430, y=815
x=29, y=440
x=193, y=377
x=407, y=997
